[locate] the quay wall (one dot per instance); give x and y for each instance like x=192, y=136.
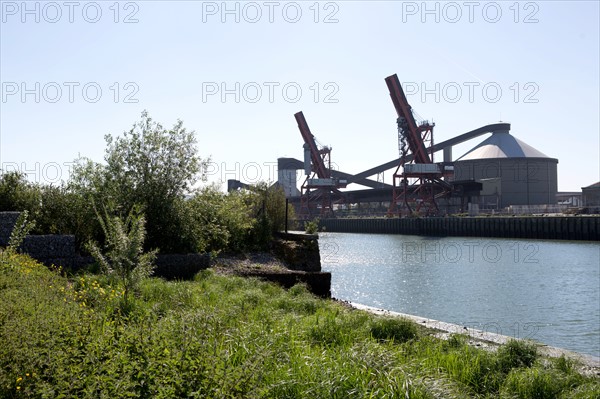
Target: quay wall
x=555, y=227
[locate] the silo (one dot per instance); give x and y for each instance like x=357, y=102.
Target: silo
x=286, y=176
x=512, y=172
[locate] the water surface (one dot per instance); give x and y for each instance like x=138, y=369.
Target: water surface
x=544, y=290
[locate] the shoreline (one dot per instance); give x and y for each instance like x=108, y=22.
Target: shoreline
x=483, y=338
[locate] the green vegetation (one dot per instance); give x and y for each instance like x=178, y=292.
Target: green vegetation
x=124, y=258
x=123, y=334
x=22, y=227
x=396, y=329
x=225, y=337
x=154, y=170
x=312, y=226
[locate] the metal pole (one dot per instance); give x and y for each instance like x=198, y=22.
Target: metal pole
x=286, y=214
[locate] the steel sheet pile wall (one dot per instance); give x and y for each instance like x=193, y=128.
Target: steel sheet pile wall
x=562, y=228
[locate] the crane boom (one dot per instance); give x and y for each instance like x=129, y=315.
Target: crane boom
x=317, y=161
x=406, y=121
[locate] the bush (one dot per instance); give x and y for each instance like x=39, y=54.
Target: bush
x=124, y=258
x=268, y=209
x=20, y=231
x=216, y=221
x=236, y=221
x=312, y=227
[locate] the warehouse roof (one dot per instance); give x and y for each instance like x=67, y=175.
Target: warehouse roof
x=501, y=144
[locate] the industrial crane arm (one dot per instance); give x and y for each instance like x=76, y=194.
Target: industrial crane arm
x=403, y=109
x=309, y=139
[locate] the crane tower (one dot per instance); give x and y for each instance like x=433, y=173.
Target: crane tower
x=417, y=179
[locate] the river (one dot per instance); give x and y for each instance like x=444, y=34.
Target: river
x=548, y=291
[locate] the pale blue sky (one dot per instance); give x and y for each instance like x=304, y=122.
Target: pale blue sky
x=176, y=51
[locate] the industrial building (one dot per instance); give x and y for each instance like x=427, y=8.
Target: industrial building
x=591, y=195
x=511, y=171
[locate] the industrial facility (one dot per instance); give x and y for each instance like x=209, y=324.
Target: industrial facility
x=511, y=172
x=499, y=175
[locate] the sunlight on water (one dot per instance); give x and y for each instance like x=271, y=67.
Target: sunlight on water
x=544, y=290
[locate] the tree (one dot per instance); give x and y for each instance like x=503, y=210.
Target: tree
x=151, y=167
x=17, y=194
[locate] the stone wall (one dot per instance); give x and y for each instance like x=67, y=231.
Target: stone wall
x=7, y=223
x=48, y=249
x=298, y=251
x=61, y=250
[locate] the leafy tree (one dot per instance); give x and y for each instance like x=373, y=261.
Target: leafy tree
x=151, y=167
x=17, y=194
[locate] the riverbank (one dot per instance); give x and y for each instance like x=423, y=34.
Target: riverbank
x=588, y=365
x=226, y=336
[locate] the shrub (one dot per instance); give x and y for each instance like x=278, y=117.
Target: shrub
x=20, y=231
x=216, y=221
x=124, y=258
x=268, y=208
x=312, y=227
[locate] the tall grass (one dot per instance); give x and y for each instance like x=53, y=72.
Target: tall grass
x=226, y=337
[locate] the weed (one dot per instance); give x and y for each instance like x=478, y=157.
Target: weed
x=20, y=231
x=393, y=328
x=516, y=353
x=312, y=226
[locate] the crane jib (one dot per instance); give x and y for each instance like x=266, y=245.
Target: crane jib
x=404, y=111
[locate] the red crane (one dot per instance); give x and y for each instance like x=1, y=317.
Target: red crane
x=319, y=190
x=425, y=184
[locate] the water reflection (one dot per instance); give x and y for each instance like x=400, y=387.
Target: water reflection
x=545, y=290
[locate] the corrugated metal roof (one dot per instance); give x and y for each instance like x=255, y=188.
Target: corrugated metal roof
x=502, y=144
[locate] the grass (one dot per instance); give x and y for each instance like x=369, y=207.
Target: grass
x=228, y=337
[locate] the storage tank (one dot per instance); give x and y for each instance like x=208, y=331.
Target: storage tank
x=513, y=172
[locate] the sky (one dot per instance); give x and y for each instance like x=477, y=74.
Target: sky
x=236, y=73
